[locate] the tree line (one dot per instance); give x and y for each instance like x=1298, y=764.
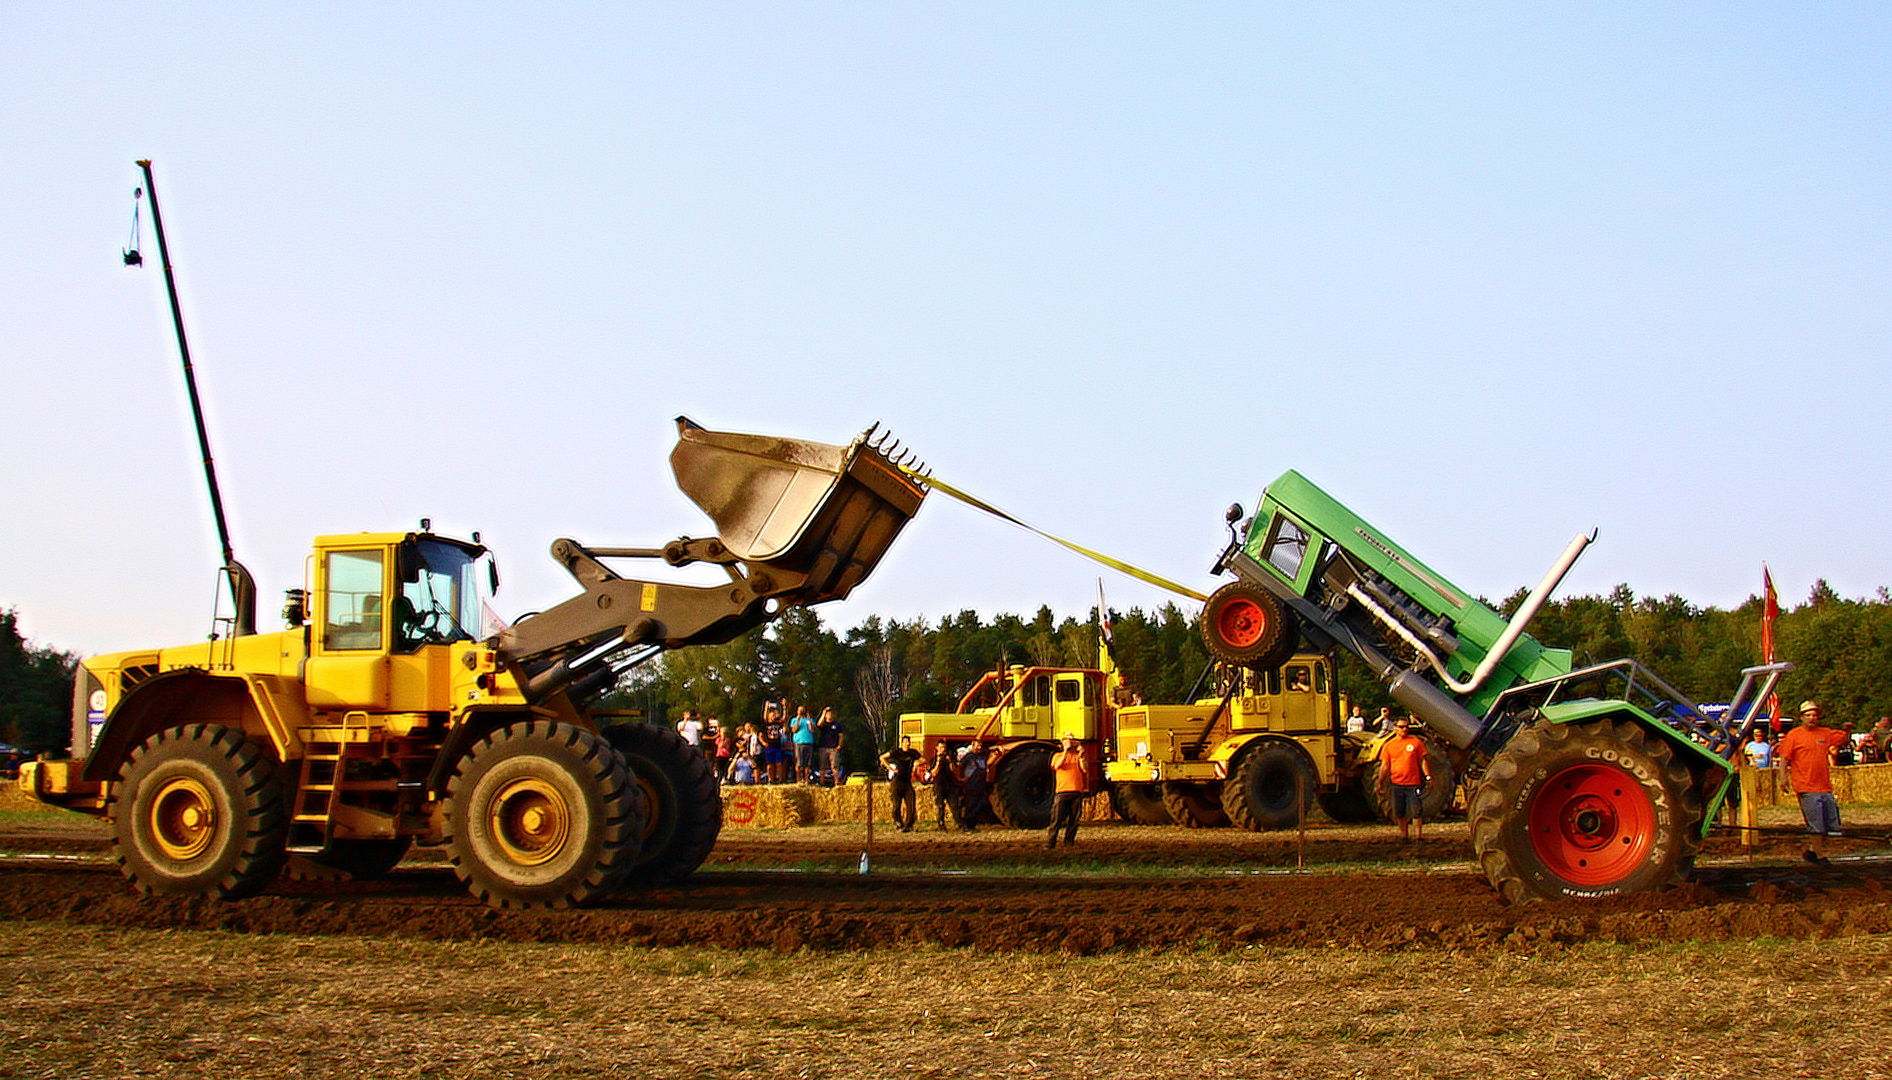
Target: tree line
x=873, y=672
x=35, y=691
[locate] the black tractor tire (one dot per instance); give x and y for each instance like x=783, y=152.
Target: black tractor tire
x=1140, y=804
x=1243, y=623
x=350, y=860
x=1437, y=798
x=1025, y=793
x=1586, y=811
x=198, y=810
x=683, y=802
x=1348, y=805
x=1195, y=805
x=1271, y=786
x=542, y=813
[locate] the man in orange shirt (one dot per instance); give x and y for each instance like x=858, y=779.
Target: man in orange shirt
x=1073, y=776
x=1408, y=771
x=1808, y=752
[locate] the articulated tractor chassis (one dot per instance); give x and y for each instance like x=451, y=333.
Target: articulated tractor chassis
x=1595, y=781
x=385, y=715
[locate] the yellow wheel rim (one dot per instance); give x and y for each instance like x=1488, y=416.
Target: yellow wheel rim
x=530, y=821
x=183, y=818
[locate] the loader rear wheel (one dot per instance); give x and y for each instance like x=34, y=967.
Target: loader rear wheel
x=1585, y=811
x=542, y=814
x=350, y=860
x=1243, y=623
x=1272, y=786
x=1025, y=792
x=683, y=803
x=1140, y=804
x=198, y=811
x=1437, y=797
x=1193, y=805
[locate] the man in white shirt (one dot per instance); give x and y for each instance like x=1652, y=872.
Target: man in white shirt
x=691, y=728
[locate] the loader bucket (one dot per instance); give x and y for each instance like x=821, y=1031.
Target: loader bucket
x=801, y=507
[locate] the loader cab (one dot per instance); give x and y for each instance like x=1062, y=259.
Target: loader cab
x=1289, y=549
x=383, y=595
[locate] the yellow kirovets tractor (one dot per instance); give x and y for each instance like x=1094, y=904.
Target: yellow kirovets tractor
x=1259, y=755
x=389, y=712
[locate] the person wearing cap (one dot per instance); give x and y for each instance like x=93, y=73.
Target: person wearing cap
x=1807, y=751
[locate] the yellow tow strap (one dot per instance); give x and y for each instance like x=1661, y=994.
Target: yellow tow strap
x=1118, y=565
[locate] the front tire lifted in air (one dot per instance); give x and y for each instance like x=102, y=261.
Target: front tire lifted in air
x=542, y=814
x=1585, y=811
x=1243, y=623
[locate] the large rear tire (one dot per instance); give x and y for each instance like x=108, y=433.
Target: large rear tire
x=1025, y=793
x=1243, y=623
x=198, y=811
x=542, y=814
x=1585, y=811
x=1193, y=805
x=1438, y=791
x=683, y=802
x=1272, y=786
x=1140, y=804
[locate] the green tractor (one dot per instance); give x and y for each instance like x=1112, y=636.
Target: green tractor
x=1590, y=781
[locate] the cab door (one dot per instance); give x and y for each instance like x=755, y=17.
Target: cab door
x=348, y=659
x=1074, y=710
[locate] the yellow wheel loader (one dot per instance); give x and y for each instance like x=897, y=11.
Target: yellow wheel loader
x=385, y=714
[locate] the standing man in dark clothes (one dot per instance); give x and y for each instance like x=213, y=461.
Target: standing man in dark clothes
x=899, y=764
x=1072, y=772
x=828, y=739
x=945, y=785
x=972, y=797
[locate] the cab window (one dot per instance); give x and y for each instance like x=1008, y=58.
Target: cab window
x=1043, y=686
x=353, y=604
x=1069, y=689
x=1320, y=678
x=1298, y=680
x=1287, y=548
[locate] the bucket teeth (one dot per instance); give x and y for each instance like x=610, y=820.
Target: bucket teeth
x=882, y=441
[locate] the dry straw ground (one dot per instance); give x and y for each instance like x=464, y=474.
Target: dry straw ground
x=81, y=1002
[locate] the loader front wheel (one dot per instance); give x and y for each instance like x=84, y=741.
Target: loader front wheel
x=1024, y=794
x=198, y=811
x=542, y=814
x=1194, y=805
x=1243, y=623
x=1585, y=811
x=683, y=803
x=1272, y=786
x=1140, y=804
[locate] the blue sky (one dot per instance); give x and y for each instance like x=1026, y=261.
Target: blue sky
x=1492, y=274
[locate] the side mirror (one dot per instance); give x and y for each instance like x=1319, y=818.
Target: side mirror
x=1234, y=513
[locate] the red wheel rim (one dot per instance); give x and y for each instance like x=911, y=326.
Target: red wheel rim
x=1592, y=824
x=1241, y=623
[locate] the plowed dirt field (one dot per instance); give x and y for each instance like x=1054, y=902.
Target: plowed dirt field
x=1122, y=888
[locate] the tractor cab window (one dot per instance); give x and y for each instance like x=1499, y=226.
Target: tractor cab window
x=1070, y=689
x=442, y=591
x=1320, y=678
x=1298, y=680
x=1287, y=548
x=1041, y=687
x=353, y=603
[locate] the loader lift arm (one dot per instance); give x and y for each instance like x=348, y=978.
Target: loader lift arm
x=799, y=523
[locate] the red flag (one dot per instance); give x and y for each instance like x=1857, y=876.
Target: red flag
x=1770, y=610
